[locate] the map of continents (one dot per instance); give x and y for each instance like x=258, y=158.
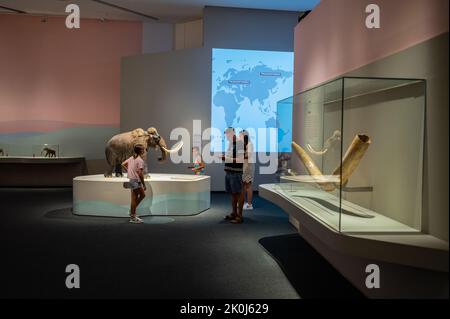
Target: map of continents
x=246, y=86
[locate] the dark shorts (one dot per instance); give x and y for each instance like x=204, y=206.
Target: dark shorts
x=135, y=184
x=233, y=182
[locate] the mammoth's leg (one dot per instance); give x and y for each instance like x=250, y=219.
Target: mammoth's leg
x=118, y=170
x=109, y=171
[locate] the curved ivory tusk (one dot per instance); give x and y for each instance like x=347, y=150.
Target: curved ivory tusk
x=313, y=170
x=174, y=149
x=349, y=163
x=313, y=151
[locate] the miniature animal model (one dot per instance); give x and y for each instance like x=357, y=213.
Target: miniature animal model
x=48, y=152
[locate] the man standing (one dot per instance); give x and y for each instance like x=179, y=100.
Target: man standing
x=234, y=159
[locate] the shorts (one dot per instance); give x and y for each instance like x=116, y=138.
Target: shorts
x=135, y=184
x=233, y=182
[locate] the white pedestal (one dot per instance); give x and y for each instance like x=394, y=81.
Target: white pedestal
x=167, y=194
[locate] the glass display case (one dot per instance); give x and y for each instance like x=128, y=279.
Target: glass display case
x=5, y=149
x=15, y=150
x=30, y=151
x=357, y=154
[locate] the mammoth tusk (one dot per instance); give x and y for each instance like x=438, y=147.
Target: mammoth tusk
x=174, y=149
x=352, y=157
x=350, y=162
x=313, y=170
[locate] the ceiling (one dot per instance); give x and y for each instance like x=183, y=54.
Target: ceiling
x=165, y=10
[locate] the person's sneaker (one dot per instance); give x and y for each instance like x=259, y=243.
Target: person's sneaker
x=248, y=206
x=136, y=220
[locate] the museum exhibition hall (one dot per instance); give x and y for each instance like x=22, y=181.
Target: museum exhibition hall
x=224, y=149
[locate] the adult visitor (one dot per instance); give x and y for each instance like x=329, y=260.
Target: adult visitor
x=234, y=159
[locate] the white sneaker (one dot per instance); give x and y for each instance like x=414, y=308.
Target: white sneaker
x=136, y=220
x=248, y=206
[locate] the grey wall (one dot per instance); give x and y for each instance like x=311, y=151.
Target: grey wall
x=249, y=29
x=427, y=60
x=165, y=90
x=157, y=37
x=171, y=89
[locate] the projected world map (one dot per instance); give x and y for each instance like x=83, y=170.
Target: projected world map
x=246, y=86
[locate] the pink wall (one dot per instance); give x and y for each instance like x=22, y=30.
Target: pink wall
x=333, y=39
x=52, y=77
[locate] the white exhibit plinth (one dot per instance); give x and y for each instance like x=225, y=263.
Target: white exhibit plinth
x=166, y=194
x=327, y=209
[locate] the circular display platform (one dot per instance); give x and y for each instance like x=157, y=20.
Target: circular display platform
x=166, y=194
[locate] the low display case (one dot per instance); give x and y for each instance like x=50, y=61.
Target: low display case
x=30, y=151
x=45, y=150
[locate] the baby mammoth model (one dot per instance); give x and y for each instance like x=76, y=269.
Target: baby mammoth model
x=120, y=147
x=48, y=152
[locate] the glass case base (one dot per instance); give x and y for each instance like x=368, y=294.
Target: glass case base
x=325, y=208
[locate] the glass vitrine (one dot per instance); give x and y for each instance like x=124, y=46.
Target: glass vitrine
x=45, y=150
x=356, y=157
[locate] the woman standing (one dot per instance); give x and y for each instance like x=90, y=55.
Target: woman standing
x=248, y=170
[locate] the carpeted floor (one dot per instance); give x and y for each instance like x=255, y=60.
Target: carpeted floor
x=167, y=257
x=306, y=270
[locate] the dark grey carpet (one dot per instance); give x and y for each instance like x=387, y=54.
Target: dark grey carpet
x=306, y=270
x=168, y=257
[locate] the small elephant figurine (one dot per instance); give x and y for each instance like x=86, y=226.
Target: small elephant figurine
x=48, y=152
